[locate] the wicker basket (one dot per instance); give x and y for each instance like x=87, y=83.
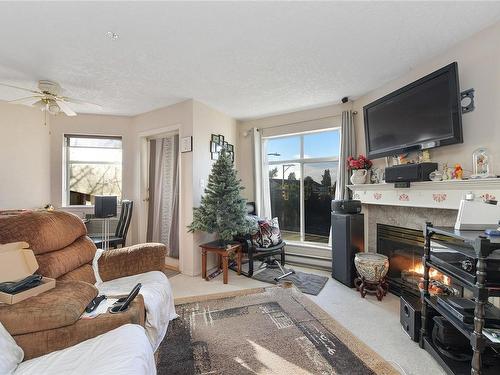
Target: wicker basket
x=371, y=266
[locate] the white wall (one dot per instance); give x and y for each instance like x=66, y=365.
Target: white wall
x=24, y=157
x=478, y=60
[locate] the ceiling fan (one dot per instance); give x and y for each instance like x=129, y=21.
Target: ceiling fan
x=48, y=98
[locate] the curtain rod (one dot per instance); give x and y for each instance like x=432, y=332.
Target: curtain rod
x=300, y=122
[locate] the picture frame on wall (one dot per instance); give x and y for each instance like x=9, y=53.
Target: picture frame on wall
x=187, y=144
x=217, y=144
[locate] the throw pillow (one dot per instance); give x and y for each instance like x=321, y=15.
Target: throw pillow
x=270, y=234
x=11, y=354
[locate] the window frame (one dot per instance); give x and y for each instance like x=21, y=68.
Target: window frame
x=67, y=162
x=301, y=161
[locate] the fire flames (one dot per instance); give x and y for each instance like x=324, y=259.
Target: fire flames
x=433, y=274
x=438, y=283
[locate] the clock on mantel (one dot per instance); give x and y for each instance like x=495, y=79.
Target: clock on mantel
x=432, y=194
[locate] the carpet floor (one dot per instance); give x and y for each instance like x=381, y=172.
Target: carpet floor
x=271, y=331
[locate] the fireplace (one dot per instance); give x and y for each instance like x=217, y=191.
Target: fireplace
x=405, y=247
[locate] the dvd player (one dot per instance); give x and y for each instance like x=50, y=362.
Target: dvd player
x=463, y=310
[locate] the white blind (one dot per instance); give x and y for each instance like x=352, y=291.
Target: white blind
x=303, y=126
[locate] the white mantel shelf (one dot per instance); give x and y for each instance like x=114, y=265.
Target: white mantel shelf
x=429, y=194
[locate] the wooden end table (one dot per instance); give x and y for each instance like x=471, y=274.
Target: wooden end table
x=223, y=253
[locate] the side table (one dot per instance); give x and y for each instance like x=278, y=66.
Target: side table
x=223, y=253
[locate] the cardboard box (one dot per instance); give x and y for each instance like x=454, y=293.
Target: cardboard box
x=17, y=261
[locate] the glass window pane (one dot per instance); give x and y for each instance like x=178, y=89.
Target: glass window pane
x=319, y=189
x=321, y=145
x=284, y=183
x=88, y=180
x=286, y=148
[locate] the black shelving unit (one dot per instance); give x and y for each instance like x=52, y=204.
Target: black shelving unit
x=473, y=244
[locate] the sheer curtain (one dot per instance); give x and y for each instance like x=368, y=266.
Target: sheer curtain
x=261, y=175
x=163, y=223
x=347, y=148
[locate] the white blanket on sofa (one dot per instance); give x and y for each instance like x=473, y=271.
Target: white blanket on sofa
x=122, y=351
x=158, y=300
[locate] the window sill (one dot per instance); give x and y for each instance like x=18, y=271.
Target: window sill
x=76, y=207
x=310, y=245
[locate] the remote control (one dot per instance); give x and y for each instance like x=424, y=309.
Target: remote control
x=94, y=303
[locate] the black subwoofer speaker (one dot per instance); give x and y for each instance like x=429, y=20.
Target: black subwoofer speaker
x=410, y=316
x=347, y=240
x=105, y=206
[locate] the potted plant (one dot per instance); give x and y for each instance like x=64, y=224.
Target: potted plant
x=222, y=210
x=359, y=168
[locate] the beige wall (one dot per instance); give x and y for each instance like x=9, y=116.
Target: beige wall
x=179, y=116
x=24, y=156
x=207, y=121
x=90, y=125
x=478, y=60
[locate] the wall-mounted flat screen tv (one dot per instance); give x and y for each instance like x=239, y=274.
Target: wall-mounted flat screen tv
x=424, y=114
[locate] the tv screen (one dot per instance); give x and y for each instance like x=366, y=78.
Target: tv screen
x=423, y=114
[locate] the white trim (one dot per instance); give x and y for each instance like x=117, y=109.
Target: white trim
x=159, y=131
x=143, y=182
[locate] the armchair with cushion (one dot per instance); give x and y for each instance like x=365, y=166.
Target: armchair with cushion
x=266, y=251
x=65, y=252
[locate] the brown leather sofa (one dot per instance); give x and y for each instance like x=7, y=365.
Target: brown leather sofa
x=50, y=321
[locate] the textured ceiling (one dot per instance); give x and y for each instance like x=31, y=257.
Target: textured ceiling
x=245, y=59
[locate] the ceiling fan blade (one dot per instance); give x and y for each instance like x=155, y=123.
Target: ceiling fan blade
x=21, y=88
x=65, y=108
x=78, y=101
x=27, y=100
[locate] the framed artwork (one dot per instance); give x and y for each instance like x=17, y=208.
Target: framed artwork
x=217, y=143
x=187, y=144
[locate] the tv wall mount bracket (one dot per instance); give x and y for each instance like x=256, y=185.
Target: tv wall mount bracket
x=467, y=100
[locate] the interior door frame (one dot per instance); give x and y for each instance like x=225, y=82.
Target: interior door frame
x=144, y=151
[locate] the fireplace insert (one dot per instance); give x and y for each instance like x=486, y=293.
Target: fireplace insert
x=405, y=247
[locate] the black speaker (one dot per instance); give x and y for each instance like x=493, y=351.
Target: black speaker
x=410, y=315
x=347, y=239
x=105, y=206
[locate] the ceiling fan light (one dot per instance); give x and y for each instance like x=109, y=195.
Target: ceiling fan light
x=53, y=108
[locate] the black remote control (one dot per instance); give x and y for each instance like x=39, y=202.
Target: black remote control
x=94, y=303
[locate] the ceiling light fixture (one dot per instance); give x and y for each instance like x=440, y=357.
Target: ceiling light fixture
x=112, y=35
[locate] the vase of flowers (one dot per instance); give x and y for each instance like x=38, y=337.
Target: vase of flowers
x=359, y=168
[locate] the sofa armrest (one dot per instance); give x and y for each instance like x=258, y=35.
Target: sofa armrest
x=132, y=260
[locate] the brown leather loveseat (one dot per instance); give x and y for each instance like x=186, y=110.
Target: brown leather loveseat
x=50, y=321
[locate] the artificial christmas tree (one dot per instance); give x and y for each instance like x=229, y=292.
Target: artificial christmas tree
x=222, y=210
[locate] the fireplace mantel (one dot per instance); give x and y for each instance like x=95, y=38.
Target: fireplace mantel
x=429, y=194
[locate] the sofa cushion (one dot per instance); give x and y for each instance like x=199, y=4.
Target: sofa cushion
x=39, y=343
x=11, y=354
x=60, y=262
x=83, y=273
x=55, y=308
x=45, y=231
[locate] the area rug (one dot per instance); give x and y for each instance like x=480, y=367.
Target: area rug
x=273, y=331
x=308, y=283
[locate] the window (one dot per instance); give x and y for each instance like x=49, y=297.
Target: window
x=93, y=167
x=302, y=178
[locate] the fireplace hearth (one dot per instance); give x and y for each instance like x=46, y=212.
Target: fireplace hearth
x=404, y=248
